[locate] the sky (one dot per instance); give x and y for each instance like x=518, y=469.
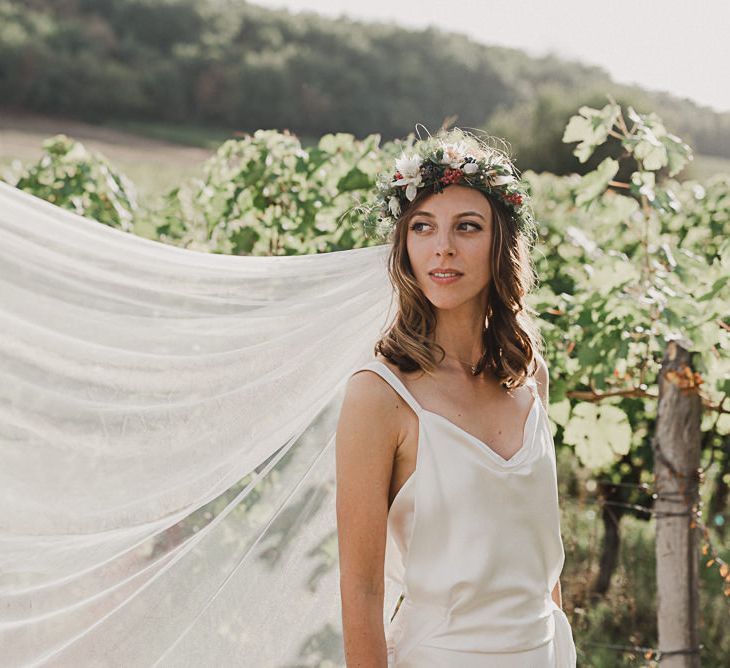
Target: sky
x=668, y=45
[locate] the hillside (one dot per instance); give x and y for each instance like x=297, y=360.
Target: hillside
x=235, y=65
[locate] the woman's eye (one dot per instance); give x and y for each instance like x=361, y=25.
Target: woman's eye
x=416, y=226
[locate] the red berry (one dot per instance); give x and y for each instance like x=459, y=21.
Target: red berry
x=451, y=175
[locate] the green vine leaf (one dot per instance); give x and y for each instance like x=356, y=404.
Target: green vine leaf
x=590, y=127
x=593, y=184
x=599, y=434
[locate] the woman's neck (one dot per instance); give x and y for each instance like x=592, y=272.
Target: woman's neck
x=461, y=336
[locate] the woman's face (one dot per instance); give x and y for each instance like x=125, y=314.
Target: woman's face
x=451, y=230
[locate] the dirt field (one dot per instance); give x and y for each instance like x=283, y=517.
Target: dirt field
x=153, y=165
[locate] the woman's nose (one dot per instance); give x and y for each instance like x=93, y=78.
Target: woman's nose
x=445, y=248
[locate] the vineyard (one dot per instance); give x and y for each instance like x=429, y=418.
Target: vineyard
x=633, y=268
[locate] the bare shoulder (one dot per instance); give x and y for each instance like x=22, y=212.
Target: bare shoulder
x=382, y=399
x=368, y=395
x=369, y=425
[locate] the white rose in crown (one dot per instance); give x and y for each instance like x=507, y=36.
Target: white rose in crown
x=409, y=168
x=470, y=168
x=454, y=154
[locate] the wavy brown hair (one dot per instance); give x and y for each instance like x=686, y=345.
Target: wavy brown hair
x=511, y=337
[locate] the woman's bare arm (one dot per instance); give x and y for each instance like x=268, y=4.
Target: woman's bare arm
x=367, y=437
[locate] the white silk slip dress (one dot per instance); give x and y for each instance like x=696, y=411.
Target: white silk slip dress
x=474, y=545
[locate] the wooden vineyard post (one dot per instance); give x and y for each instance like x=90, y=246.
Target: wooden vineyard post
x=676, y=448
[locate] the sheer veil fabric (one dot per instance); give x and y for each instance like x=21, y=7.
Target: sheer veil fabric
x=167, y=421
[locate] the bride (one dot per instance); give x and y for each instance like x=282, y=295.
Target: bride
x=172, y=494
x=446, y=474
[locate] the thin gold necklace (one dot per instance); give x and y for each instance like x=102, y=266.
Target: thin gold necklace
x=469, y=364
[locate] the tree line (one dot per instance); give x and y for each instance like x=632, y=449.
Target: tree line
x=236, y=65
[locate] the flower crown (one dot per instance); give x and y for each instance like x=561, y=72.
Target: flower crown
x=437, y=164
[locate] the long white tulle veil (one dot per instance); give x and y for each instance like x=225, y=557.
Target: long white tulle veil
x=167, y=423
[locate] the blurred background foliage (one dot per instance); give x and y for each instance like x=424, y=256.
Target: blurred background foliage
x=628, y=257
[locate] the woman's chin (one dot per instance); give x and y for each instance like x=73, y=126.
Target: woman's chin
x=445, y=303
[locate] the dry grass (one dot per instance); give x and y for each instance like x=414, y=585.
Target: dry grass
x=154, y=166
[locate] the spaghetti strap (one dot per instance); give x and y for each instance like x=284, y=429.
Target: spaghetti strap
x=396, y=383
x=531, y=384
